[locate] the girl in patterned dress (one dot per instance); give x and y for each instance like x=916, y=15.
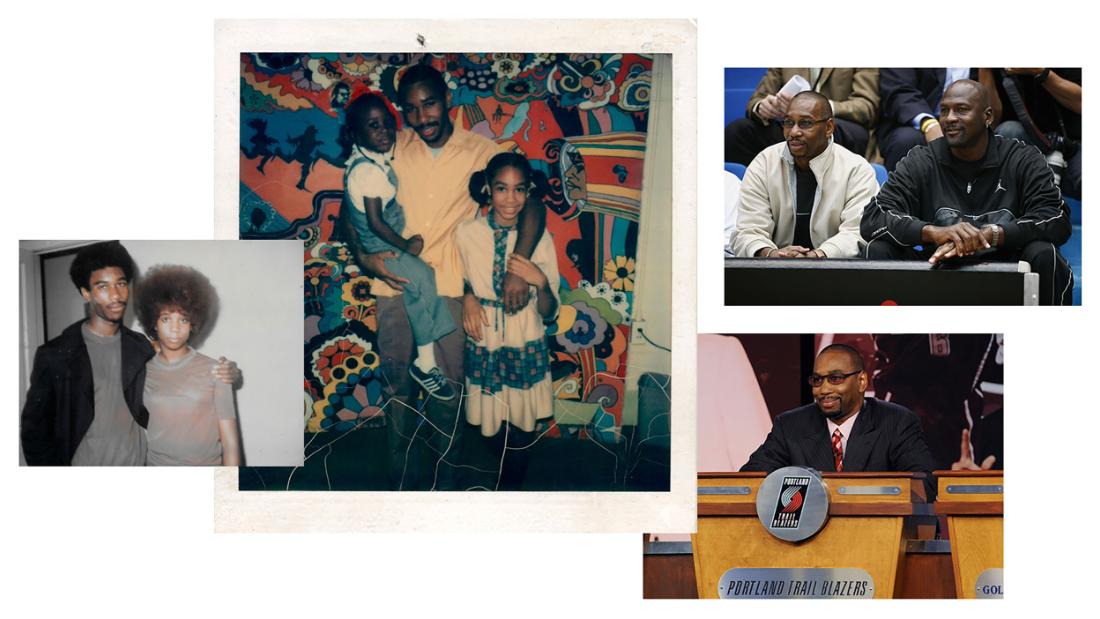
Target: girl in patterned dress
x=507, y=359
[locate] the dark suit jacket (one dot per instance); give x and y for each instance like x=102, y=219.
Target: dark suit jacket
x=61, y=400
x=904, y=93
x=885, y=437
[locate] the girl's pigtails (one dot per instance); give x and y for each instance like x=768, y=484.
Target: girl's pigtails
x=479, y=187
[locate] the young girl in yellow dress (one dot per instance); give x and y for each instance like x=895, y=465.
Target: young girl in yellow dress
x=507, y=359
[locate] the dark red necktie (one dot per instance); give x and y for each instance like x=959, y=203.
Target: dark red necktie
x=838, y=451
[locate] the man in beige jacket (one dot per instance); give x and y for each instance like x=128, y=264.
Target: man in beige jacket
x=803, y=198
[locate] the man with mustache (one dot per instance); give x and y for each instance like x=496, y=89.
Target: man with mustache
x=434, y=159
x=843, y=430
x=973, y=193
x=84, y=405
x=803, y=198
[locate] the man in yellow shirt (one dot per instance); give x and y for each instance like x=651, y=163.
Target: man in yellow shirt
x=433, y=161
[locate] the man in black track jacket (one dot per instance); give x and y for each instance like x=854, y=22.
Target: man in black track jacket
x=973, y=193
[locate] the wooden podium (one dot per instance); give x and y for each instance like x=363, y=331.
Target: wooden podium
x=867, y=517
x=973, y=502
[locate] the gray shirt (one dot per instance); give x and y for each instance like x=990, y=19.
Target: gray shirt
x=185, y=403
x=114, y=438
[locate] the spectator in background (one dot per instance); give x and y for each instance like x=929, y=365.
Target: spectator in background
x=803, y=198
x=1051, y=99
x=911, y=106
x=853, y=99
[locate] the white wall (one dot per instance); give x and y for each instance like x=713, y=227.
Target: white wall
x=652, y=312
x=259, y=326
x=733, y=418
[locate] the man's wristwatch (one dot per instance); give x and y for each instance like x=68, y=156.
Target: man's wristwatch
x=996, y=235
x=1042, y=76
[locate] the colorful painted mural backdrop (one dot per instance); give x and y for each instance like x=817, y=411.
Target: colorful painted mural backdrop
x=579, y=118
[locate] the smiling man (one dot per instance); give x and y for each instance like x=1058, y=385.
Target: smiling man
x=434, y=158
x=802, y=198
x=85, y=404
x=973, y=193
x=843, y=430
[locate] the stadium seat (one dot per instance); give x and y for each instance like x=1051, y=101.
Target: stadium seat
x=736, y=169
x=740, y=84
x=1071, y=251
x=1074, y=210
x=880, y=173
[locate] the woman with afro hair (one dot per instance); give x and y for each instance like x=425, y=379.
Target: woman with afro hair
x=192, y=417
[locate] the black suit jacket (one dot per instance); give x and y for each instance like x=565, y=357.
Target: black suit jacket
x=904, y=93
x=885, y=437
x=61, y=400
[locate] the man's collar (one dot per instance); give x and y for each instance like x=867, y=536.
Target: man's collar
x=821, y=157
x=848, y=424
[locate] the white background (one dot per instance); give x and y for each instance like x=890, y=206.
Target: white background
x=102, y=105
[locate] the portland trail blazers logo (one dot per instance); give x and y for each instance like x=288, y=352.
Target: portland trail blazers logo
x=788, y=509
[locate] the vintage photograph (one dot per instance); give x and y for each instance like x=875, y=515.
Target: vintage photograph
x=159, y=353
x=486, y=263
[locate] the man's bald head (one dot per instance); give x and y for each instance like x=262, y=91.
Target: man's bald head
x=819, y=103
x=978, y=93
x=852, y=354
x=966, y=116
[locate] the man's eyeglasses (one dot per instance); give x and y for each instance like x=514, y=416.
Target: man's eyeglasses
x=816, y=380
x=804, y=124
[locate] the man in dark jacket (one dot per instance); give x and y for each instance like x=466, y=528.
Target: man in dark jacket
x=1045, y=113
x=973, y=194
x=84, y=405
x=842, y=430
x=910, y=101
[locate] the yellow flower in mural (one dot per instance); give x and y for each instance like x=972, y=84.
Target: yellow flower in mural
x=356, y=291
x=619, y=272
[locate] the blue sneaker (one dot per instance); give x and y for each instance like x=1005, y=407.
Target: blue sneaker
x=434, y=382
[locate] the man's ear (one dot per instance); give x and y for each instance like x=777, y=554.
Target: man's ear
x=863, y=380
x=87, y=294
x=830, y=127
x=448, y=97
x=989, y=117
